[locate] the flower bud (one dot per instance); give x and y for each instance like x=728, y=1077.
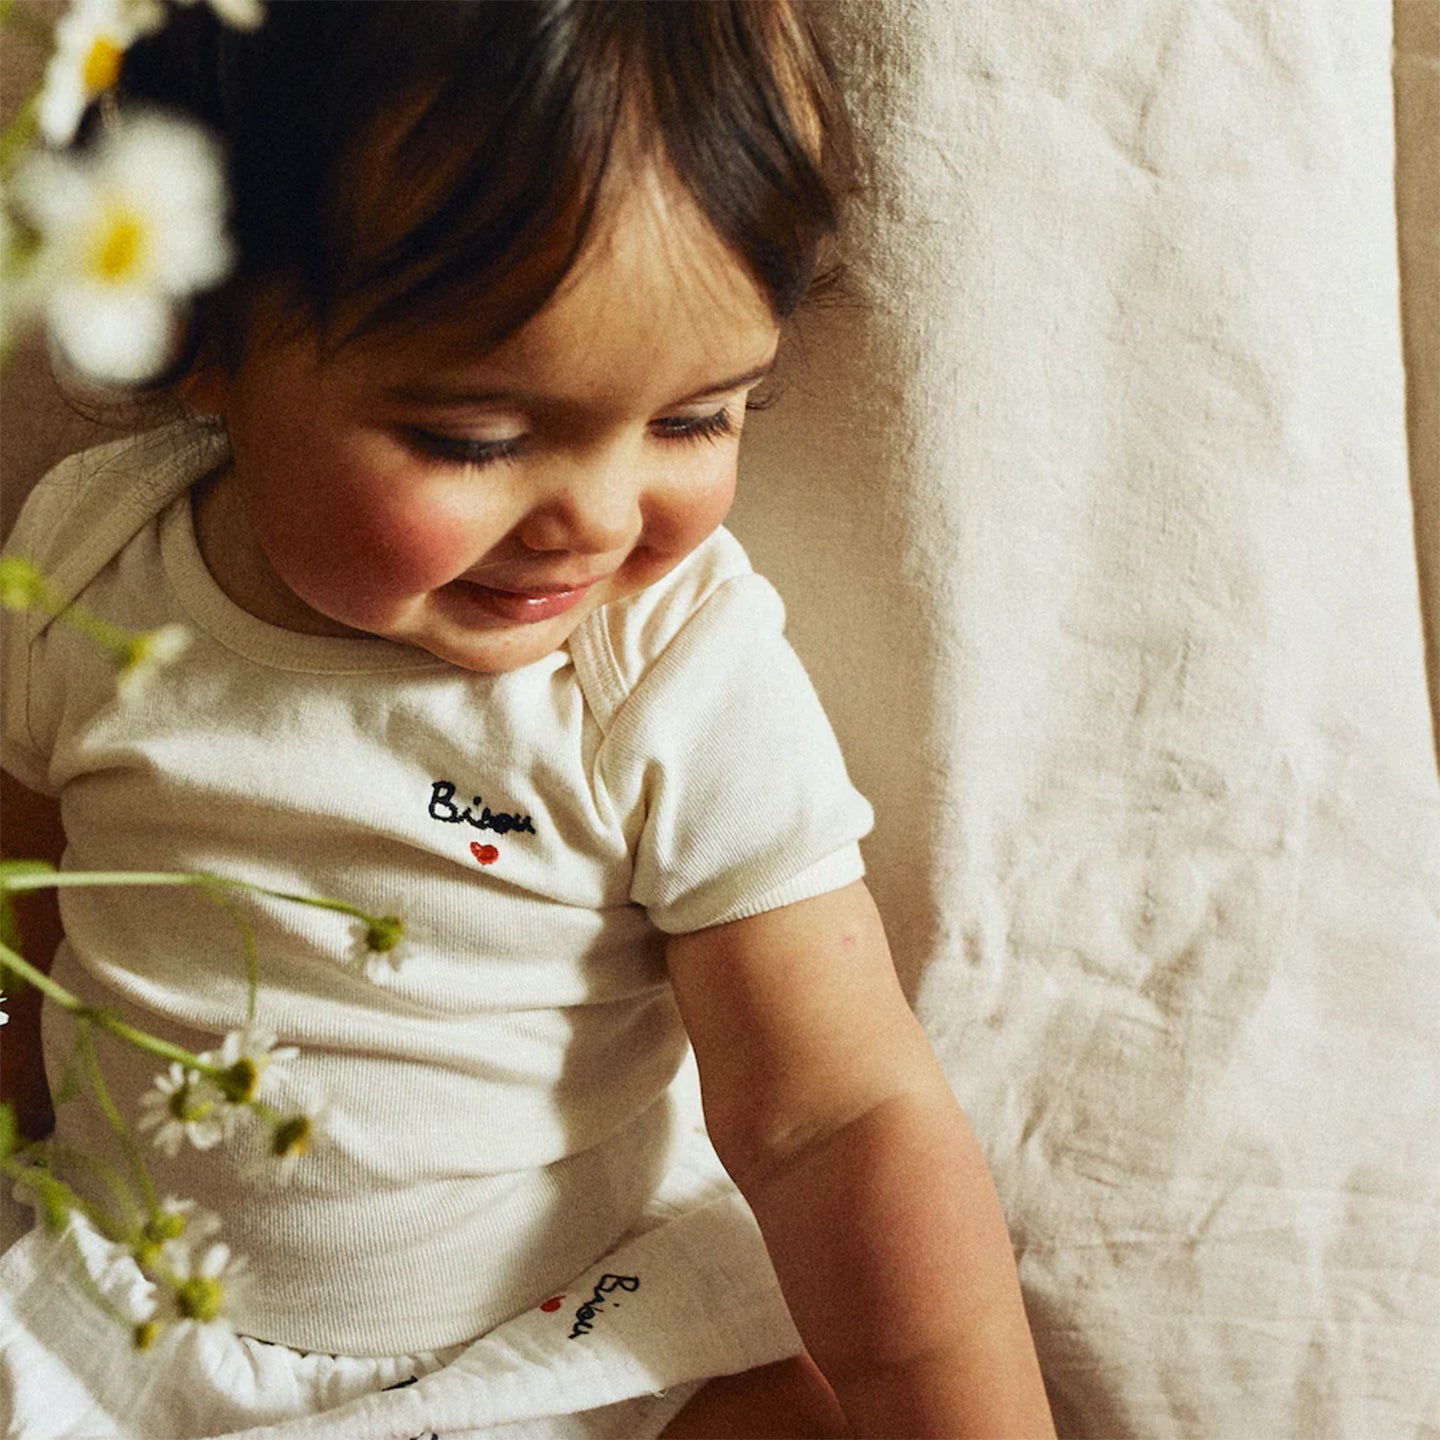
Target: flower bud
x=292, y=1136
x=200, y=1298
x=384, y=934
x=20, y=583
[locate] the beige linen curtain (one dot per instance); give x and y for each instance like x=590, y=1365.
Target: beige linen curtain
x=1102, y=532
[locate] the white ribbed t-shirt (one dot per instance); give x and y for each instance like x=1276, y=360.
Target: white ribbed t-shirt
x=499, y=1109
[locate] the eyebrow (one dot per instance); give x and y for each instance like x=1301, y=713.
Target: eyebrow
x=439, y=393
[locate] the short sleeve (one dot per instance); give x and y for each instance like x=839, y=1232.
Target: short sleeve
x=75, y=521
x=19, y=754
x=20, y=751
x=727, y=754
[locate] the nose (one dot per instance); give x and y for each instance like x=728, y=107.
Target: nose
x=593, y=508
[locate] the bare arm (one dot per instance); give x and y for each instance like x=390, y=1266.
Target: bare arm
x=30, y=829
x=829, y=1109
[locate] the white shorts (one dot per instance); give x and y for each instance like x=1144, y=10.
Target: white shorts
x=689, y=1294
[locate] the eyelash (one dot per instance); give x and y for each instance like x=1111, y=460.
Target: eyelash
x=477, y=453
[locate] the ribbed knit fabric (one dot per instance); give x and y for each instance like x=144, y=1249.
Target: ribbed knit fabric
x=500, y=1109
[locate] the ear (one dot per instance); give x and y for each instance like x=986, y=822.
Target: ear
x=206, y=389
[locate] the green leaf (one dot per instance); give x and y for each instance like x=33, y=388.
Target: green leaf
x=10, y=1139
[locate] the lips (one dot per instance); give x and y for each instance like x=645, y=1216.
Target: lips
x=524, y=605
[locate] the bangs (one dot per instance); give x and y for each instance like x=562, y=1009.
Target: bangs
x=395, y=161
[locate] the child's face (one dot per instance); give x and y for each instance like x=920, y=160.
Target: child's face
x=480, y=506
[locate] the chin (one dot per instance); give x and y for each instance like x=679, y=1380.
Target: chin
x=494, y=653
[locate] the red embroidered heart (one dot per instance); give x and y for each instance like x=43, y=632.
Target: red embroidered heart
x=485, y=854
x=551, y=1305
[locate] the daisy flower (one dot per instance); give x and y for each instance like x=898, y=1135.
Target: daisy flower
x=90, y=44
x=4, y=1018
x=171, y=1234
x=182, y=1106
x=204, y=1289
x=148, y=652
x=289, y=1143
x=125, y=235
x=248, y=1055
x=378, y=949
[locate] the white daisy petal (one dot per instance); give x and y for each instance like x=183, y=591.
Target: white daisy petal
x=183, y=1106
x=149, y=652
x=90, y=42
x=207, y=1284
x=119, y=337
x=126, y=235
x=240, y=14
x=255, y=1046
x=287, y=1146
x=378, y=948
x=179, y=1229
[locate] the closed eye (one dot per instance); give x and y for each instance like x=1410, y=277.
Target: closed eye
x=694, y=427
x=457, y=450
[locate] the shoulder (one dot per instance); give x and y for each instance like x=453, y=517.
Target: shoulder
x=89, y=506
x=713, y=597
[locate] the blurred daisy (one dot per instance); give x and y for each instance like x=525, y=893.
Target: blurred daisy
x=90, y=45
x=248, y=1055
x=147, y=652
x=204, y=1288
x=184, y=1105
x=172, y=1234
x=125, y=234
x=20, y=583
x=241, y=14
x=289, y=1143
x=378, y=948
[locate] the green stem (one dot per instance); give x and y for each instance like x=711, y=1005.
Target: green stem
x=62, y=1156
x=44, y=595
x=200, y=879
x=252, y=954
x=117, y=1121
x=152, y=1045
x=14, y=961
x=42, y=880
x=44, y=1183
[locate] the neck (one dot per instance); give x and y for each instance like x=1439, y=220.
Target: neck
x=237, y=563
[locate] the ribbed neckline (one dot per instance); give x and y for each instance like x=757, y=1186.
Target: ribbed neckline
x=208, y=607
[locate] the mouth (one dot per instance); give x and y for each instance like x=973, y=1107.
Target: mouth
x=524, y=605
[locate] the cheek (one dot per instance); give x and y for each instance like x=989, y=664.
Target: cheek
x=352, y=531
x=686, y=514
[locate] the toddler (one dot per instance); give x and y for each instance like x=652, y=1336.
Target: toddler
x=470, y=645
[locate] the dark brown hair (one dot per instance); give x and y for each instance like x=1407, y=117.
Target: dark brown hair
x=388, y=160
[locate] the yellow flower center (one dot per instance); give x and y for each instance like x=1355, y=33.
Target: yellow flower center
x=199, y=1298
x=292, y=1136
x=119, y=249
x=102, y=65
x=241, y=1081
x=186, y=1108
